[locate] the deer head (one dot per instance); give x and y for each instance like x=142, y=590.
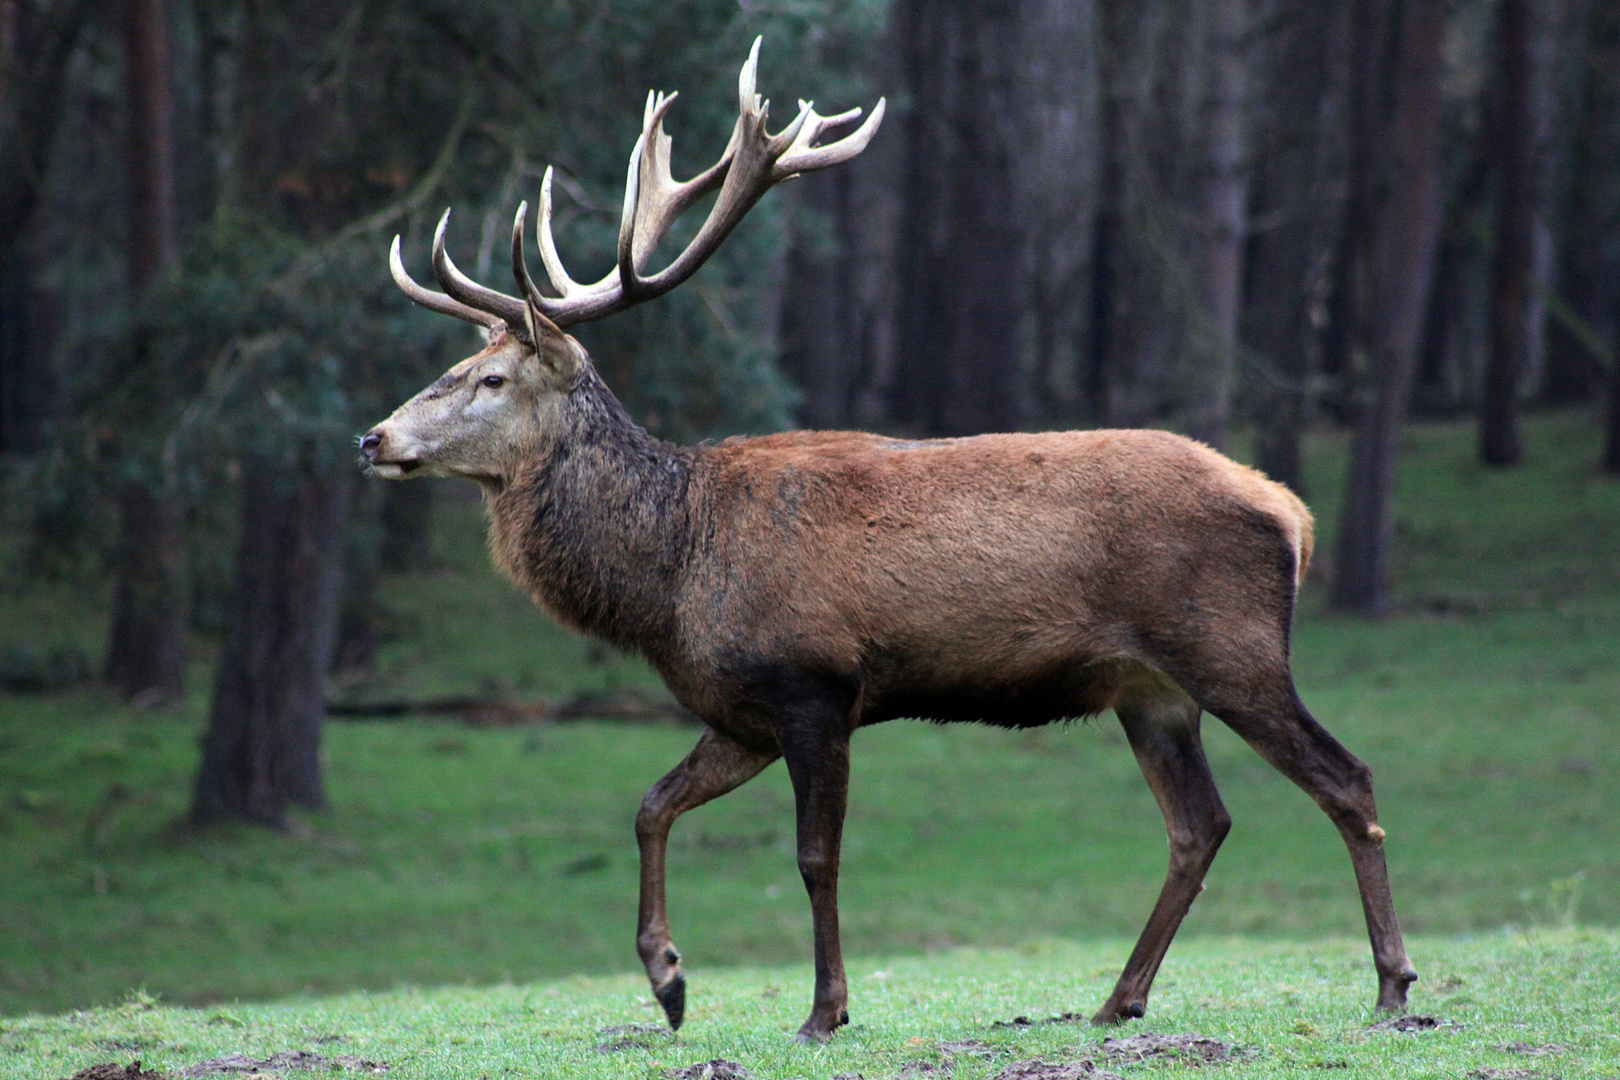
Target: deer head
x=494, y=407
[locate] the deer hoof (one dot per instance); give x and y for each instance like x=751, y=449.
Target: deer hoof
x=672, y=996
x=818, y=1030
x=1392, y=990
x=1112, y=1015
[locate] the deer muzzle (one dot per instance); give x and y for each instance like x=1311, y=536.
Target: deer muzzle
x=388, y=455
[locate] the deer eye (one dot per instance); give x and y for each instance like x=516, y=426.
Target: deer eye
x=493, y=381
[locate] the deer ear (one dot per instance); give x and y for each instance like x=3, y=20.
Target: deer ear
x=556, y=349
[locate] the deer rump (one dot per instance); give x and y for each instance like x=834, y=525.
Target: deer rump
x=1010, y=579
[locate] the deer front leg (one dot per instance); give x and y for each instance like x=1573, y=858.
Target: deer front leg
x=715, y=766
x=817, y=758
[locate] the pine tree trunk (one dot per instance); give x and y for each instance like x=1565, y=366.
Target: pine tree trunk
x=1589, y=279
x=961, y=248
x=21, y=353
x=1611, y=444
x=1055, y=172
x=36, y=43
x=1125, y=350
x=1290, y=194
x=146, y=648
x=1225, y=199
x=820, y=312
x=261, y=754
x=1509, y=141
x=1392, y=285
x=146, y=657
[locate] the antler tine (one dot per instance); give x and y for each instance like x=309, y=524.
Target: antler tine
x=509, y=309
x=662, y=199
x=433, y=301
x=565, y=285
x=747, y=100
x=626, y=268
x=520, y=265
x=803, y=157
x=540, y=308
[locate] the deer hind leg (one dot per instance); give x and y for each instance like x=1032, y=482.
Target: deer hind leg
x=715, y=766
x=815, y=748
x=1276, y=723
x=1161, y=722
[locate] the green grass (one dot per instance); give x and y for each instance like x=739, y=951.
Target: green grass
x=478, y=857
x=1291, y=1009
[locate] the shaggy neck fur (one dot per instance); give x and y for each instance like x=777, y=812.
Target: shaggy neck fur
x=596, y=527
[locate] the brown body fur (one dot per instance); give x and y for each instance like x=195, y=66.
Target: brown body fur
x=1009, y=578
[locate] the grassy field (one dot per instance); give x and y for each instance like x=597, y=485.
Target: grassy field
x=1512, y=1006
x=458, y=856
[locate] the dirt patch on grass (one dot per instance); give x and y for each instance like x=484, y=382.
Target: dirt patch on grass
x=971, y=1048
x=111, y=1071
x=1024, y=1021
x=1040, y=1069
x=1415, y=1022
x=718, y=1069
x=1184, y=1049
x=279, y=1064
x=1531, y=1049
x=1489, y=1073
x=620, y=1037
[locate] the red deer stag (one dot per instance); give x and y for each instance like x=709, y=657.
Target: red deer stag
x=794, y=587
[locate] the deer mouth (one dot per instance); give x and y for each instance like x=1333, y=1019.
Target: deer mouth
x=396, y=469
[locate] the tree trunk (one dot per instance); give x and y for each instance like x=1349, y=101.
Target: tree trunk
x=1393, y=283
x=1445, y=379
x=146, y=660
x=27, y=380
x=261, y=754
x=1292, y=197
x=820, y=312
x=1509, y=141
x=1225, y=219
x=151, y=163
x=1589, y=278
x=148, y=621
x=36, y=43
x=961, y=244
x=1126, y=373
x=1055, y=175
x=1611, y=444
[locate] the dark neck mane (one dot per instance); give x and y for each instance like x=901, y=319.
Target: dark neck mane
x=597, y=528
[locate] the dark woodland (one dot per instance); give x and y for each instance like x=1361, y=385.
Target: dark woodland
x=1238, y=219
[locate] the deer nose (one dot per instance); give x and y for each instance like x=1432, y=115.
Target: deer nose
x=369, y=444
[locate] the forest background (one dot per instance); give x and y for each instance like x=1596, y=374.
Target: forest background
x=1249, y=220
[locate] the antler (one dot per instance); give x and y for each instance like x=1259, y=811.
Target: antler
x=754, y=161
